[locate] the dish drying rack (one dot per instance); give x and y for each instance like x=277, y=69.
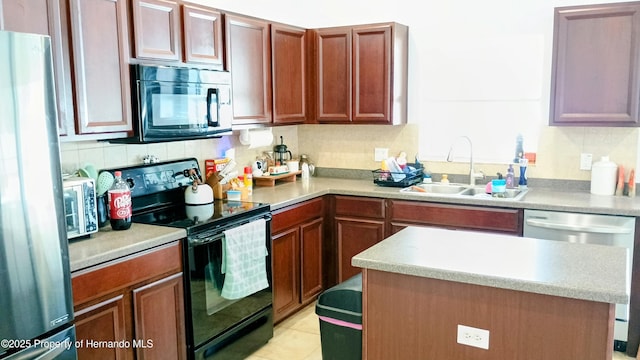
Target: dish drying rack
x=411, y=175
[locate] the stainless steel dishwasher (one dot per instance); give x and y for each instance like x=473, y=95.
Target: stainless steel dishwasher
x=578, y=228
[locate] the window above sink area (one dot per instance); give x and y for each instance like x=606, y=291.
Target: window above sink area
x=462, y=191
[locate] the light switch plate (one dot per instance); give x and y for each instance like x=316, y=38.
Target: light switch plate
x=380, y=154
x=585, y=161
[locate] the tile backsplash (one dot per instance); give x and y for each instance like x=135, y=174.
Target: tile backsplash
x=351, y=147
x=104, y=155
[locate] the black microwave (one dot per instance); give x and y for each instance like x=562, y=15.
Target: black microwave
x=179, y=103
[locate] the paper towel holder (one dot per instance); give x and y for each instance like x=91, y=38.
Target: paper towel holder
x=246, y=138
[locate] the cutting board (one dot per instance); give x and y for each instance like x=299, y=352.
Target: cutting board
x=272, y=179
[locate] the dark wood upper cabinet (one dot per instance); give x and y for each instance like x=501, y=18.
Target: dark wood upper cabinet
x=156, y=29
x=361, y=74
x=90, y=47
x=333, y=91
x=175, y=31
x=289, y=74
x=40, y=17
x=93, y=80
x=29, y=16
x=372, y=74
x=248, y=58
x=202, y=35
x=595, y=73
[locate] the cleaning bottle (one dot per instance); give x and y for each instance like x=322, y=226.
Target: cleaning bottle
x=510, y=177
x=522, y=182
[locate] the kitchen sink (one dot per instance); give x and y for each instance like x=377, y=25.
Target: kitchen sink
x=463, y=191
x=437, y=188
x=509, y=194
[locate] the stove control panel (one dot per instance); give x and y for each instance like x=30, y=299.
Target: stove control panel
x=148, y=179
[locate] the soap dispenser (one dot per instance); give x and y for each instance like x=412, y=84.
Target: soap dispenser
x=510, y=177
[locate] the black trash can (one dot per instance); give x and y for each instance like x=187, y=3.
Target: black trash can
x=340, y=314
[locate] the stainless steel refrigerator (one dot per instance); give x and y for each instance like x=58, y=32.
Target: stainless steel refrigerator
x=36, y=307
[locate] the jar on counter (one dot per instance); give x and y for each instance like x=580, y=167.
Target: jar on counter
x=603, y=177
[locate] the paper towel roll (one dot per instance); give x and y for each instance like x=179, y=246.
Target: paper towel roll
x=256, y=138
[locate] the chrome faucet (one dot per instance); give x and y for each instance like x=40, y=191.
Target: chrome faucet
x=472, y=174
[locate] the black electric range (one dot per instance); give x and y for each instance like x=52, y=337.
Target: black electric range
x=216, y=328
x=157, y=193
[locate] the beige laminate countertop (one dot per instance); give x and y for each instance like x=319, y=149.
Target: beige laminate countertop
x=587, y=272
x=285, y=194
x=107, y=245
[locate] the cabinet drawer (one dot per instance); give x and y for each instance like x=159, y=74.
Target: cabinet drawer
x=457, y=216
x=296, y=214
x=95, y=282
x=360, y=207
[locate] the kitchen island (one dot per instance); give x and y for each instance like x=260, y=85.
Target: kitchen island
x=536, y=299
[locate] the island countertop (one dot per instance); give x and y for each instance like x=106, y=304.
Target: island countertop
x=578, y=271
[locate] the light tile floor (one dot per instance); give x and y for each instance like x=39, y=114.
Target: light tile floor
x=621, y=356
x=298, y=338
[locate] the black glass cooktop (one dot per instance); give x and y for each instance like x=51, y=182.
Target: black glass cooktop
x=196, y=218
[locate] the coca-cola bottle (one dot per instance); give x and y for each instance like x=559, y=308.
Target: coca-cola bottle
x=119, y=203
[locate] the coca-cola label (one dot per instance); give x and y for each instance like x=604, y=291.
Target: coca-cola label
x=120, y=204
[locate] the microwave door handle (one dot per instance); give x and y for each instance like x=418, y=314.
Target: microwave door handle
x=212, y=104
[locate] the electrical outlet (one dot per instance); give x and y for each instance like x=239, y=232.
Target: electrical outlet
x=585, y=161
x=380, y=154
x=473, y=337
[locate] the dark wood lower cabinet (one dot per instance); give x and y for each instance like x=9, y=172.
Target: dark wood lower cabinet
x=359, y=224
x=482, y=218
x=158, y=310
x=297, y=237
x=354, y=236
x=104, y=321
x=132, y=308
x=286, y=273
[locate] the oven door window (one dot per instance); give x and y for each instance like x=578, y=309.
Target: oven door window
x=172, y=108
x=211, y=313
